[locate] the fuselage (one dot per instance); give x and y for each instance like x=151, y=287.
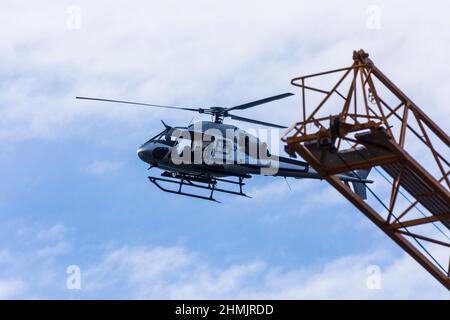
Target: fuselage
x=217, y=150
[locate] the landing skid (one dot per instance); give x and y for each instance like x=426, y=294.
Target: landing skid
x=199, y=182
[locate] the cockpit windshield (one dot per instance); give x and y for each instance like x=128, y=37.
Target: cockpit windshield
x=165, y=137
x=182, y=137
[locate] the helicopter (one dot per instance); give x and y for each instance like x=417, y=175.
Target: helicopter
x=218, y=157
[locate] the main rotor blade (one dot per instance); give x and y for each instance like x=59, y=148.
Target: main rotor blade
x=268, y=124
x=258, y=102
x=141, y=104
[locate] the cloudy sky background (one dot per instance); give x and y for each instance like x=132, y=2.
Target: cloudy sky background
x=73, y=191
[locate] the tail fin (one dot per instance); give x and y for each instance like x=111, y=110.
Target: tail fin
x=360, y=187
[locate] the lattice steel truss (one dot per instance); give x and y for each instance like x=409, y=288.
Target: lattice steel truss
x=366, y=122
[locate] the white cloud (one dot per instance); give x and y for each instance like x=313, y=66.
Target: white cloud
x=101, y=167
x=175, y=273
x=9, y=289
x=56, y=231
x=46, y=242
x=52, y=241
x=346, y=278
x=53, y=250
x=199, y=53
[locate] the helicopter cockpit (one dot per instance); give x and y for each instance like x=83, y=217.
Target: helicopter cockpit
x=165, y=137
x=177, y=137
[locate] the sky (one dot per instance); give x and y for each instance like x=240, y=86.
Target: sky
x=74, y=193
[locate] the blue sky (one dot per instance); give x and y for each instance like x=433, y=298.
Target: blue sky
x=73, y=191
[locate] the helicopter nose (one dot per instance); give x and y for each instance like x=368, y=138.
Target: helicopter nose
x=144, y=154
x=151, y=154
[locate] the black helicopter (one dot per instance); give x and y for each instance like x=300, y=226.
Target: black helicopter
x=208, y=155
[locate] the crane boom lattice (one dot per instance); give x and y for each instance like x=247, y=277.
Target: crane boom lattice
x=360, y=120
